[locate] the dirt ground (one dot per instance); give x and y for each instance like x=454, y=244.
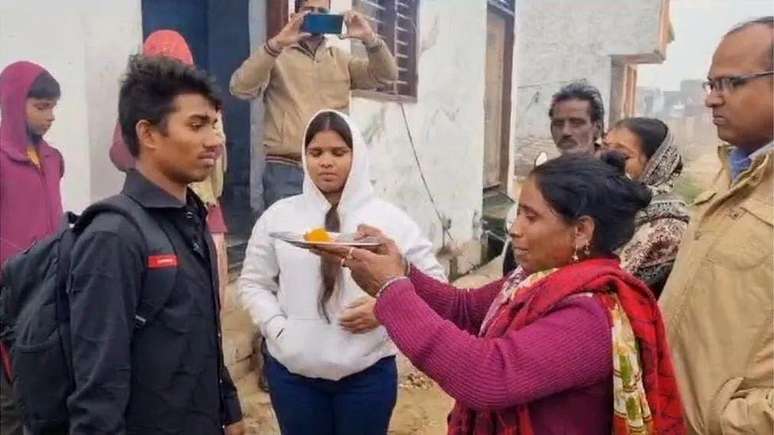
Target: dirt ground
x=421, y=411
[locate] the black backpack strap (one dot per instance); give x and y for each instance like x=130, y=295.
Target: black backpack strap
x=161, y=261
x=66, y=243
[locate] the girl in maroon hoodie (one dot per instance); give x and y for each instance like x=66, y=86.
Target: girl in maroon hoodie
x=30, y=169
x=30, y=174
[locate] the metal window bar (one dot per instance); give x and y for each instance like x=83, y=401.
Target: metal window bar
x=394, y=20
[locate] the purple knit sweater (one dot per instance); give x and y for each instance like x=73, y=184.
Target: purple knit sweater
x=560, y=364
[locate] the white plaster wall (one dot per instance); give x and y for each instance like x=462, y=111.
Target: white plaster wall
x=113, y=31
x=446, y=121
x=559, y=41
x=84, y=44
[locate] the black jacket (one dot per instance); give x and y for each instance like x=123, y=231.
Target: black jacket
x=167, y=377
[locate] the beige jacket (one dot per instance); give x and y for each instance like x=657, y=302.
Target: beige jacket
x=297, y=84
x=718, y=308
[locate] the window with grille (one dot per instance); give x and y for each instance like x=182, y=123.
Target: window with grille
x=507, y=6
x=396, y=22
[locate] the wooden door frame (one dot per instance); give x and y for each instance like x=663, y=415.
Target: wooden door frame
x=277, y=14
x=505, y=124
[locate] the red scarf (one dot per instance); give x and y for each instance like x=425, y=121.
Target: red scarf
x=595, y=276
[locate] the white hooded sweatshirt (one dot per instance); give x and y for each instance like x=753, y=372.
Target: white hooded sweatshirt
x=280, y=284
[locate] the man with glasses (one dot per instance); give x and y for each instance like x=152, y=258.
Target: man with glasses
x=718, y=301
x=299, y=74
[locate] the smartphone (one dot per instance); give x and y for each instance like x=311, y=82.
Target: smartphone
x=322, y=23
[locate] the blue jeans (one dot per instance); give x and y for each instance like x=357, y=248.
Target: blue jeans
x=280, y=181
x=359, y=404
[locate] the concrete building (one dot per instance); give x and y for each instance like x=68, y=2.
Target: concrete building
x=560, y=41
x=689, y=119
x=650, y=101
x=460, y=120
x=440, y=137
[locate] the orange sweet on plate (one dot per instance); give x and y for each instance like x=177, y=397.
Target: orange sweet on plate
x=318, y=235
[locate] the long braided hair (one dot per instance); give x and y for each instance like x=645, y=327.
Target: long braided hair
x=329, y=121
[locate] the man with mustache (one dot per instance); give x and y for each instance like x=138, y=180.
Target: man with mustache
x=577, y=118
x=718, y=301
x=577, y=122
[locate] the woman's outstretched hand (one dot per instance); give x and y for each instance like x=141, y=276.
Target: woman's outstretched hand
x=370, y=270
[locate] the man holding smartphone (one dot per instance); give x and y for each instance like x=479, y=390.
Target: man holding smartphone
x=298, y=74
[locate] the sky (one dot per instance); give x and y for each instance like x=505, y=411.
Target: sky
x=698, y=25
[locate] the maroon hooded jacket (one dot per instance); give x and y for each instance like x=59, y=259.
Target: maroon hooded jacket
x=30, y=199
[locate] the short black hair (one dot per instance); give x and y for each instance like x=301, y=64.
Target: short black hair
x=328, y=121
x=45, y=87
x=768, y=60
x=767, y=20
x=580, y=185
x=149, y=89
x=650, y=131
x=581, y=90
x=300, y=4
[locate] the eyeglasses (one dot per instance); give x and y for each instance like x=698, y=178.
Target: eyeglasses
x=729, y=83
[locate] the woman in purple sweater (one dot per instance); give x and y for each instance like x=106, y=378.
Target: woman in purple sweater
x=567, y=344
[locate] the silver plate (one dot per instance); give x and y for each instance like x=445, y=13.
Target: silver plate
x=343, y=240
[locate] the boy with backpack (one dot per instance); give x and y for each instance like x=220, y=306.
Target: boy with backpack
x=138, y=325
x=30, y=174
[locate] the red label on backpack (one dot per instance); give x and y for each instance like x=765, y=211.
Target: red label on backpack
x=162, y=261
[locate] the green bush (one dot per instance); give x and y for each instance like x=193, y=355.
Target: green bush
x=688, y=188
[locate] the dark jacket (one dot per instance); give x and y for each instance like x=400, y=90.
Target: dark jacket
x=169, y=376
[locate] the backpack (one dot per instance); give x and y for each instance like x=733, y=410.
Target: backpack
x=35, y=311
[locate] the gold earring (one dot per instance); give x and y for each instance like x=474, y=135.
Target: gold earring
x=587, y=250
x=575, y=258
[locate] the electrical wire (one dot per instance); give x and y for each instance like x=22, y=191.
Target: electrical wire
x=444, y=227
x=422, y=175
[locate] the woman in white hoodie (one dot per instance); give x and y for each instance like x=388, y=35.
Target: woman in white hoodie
x=330, y=365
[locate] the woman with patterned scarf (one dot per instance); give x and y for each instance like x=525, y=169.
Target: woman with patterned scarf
x=653, y=159
x=568, y=343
